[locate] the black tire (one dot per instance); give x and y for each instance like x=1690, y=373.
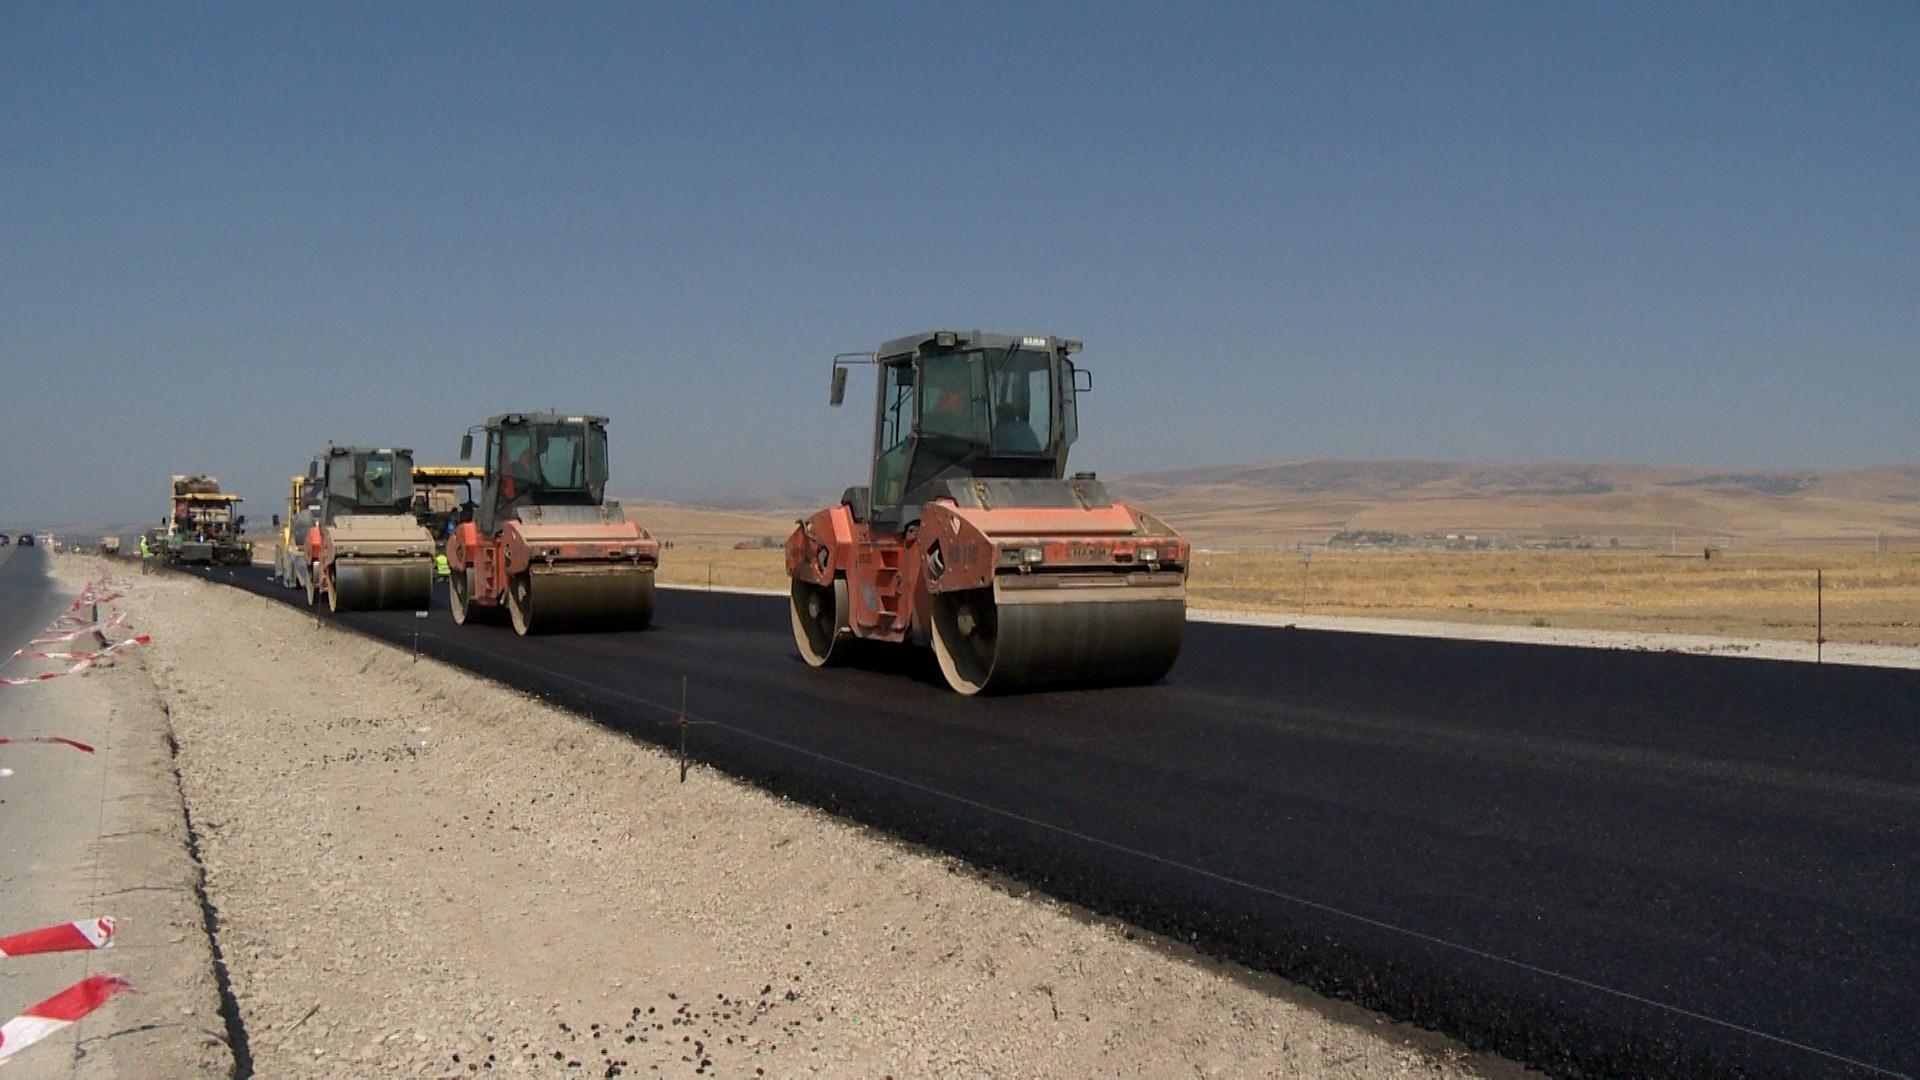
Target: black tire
x=457, y=599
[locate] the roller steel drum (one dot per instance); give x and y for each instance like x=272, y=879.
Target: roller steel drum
x=589, y=597
x=819, y=614
x=381, y=586
x=1091, y=639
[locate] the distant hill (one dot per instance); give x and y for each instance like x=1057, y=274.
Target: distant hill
x=1284, y=503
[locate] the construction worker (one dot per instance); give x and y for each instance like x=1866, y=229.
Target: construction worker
x=145, y=553
x=440, y=568
x=516, y=472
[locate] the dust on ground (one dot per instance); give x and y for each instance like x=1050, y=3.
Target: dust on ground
x=418, y=872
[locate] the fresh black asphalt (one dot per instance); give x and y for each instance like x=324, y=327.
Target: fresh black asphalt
x=1598, y=862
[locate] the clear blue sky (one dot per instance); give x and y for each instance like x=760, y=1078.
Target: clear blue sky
x=1669, y=233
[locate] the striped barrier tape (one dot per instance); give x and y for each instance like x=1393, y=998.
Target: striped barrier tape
x=61, y=739
x=84, y=661
x=137, y=639
x=64, y=1008
x=100, y=627
x=89, y=598
x=65, y=937
x=25, y=679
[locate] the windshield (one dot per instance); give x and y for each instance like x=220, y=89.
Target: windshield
x=369, y=480
x=568, y=459
x=373, y=479
x=998, y=398
x=1020, y=389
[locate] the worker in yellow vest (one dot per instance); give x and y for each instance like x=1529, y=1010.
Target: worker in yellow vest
x=440, y=568
x=145, y=553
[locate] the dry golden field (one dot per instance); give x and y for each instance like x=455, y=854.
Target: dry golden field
x=1639, y=507
x=1771, y=534
x=1869, y=599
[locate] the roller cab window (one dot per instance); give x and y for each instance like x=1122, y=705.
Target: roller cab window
x=370, y=481
x=895, y=437
x=997, y=400
x=982, y=404
x=560, y=463
x=1020, y=393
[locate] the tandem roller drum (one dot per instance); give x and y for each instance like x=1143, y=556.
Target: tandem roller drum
x=1102, y=638
x=592, y=597
x=381, y=586
x=819, y=621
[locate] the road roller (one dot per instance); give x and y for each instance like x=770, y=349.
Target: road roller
x=544, y=541
x=364, y=551
x=972, y=538
x=290, y=541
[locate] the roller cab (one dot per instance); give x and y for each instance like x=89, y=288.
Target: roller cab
x=972, y=540
x=544, y=545
x=366, y=552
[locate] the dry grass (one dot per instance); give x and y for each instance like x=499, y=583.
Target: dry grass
x=1869, y=600
x=1641, y=507
x=724, y=568
x=699, y=526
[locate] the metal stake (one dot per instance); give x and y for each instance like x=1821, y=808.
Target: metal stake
x=1819, y=614
x=683, y=729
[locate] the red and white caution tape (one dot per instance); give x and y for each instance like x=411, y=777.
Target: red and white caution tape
x=100, y=627
x=137, y=639
x=66, y=937
x=92, y=594
x=43, y=677
x=58, y=1011
x=61, y=739
x=82, y=661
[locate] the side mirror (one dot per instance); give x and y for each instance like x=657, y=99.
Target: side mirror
x=839, y=386
x=1082, y=381
x=466, y=447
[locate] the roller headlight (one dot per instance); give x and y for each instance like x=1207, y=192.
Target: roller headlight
x=1031, y=555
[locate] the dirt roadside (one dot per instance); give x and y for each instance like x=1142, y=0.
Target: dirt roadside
x=104, y=833
x=418, y=872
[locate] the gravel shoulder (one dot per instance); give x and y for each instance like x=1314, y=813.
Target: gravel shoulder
x=419, y=872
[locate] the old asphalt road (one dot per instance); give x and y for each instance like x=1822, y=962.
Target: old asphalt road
x=1594, y=861
x=49, y=798
x=29, y=599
